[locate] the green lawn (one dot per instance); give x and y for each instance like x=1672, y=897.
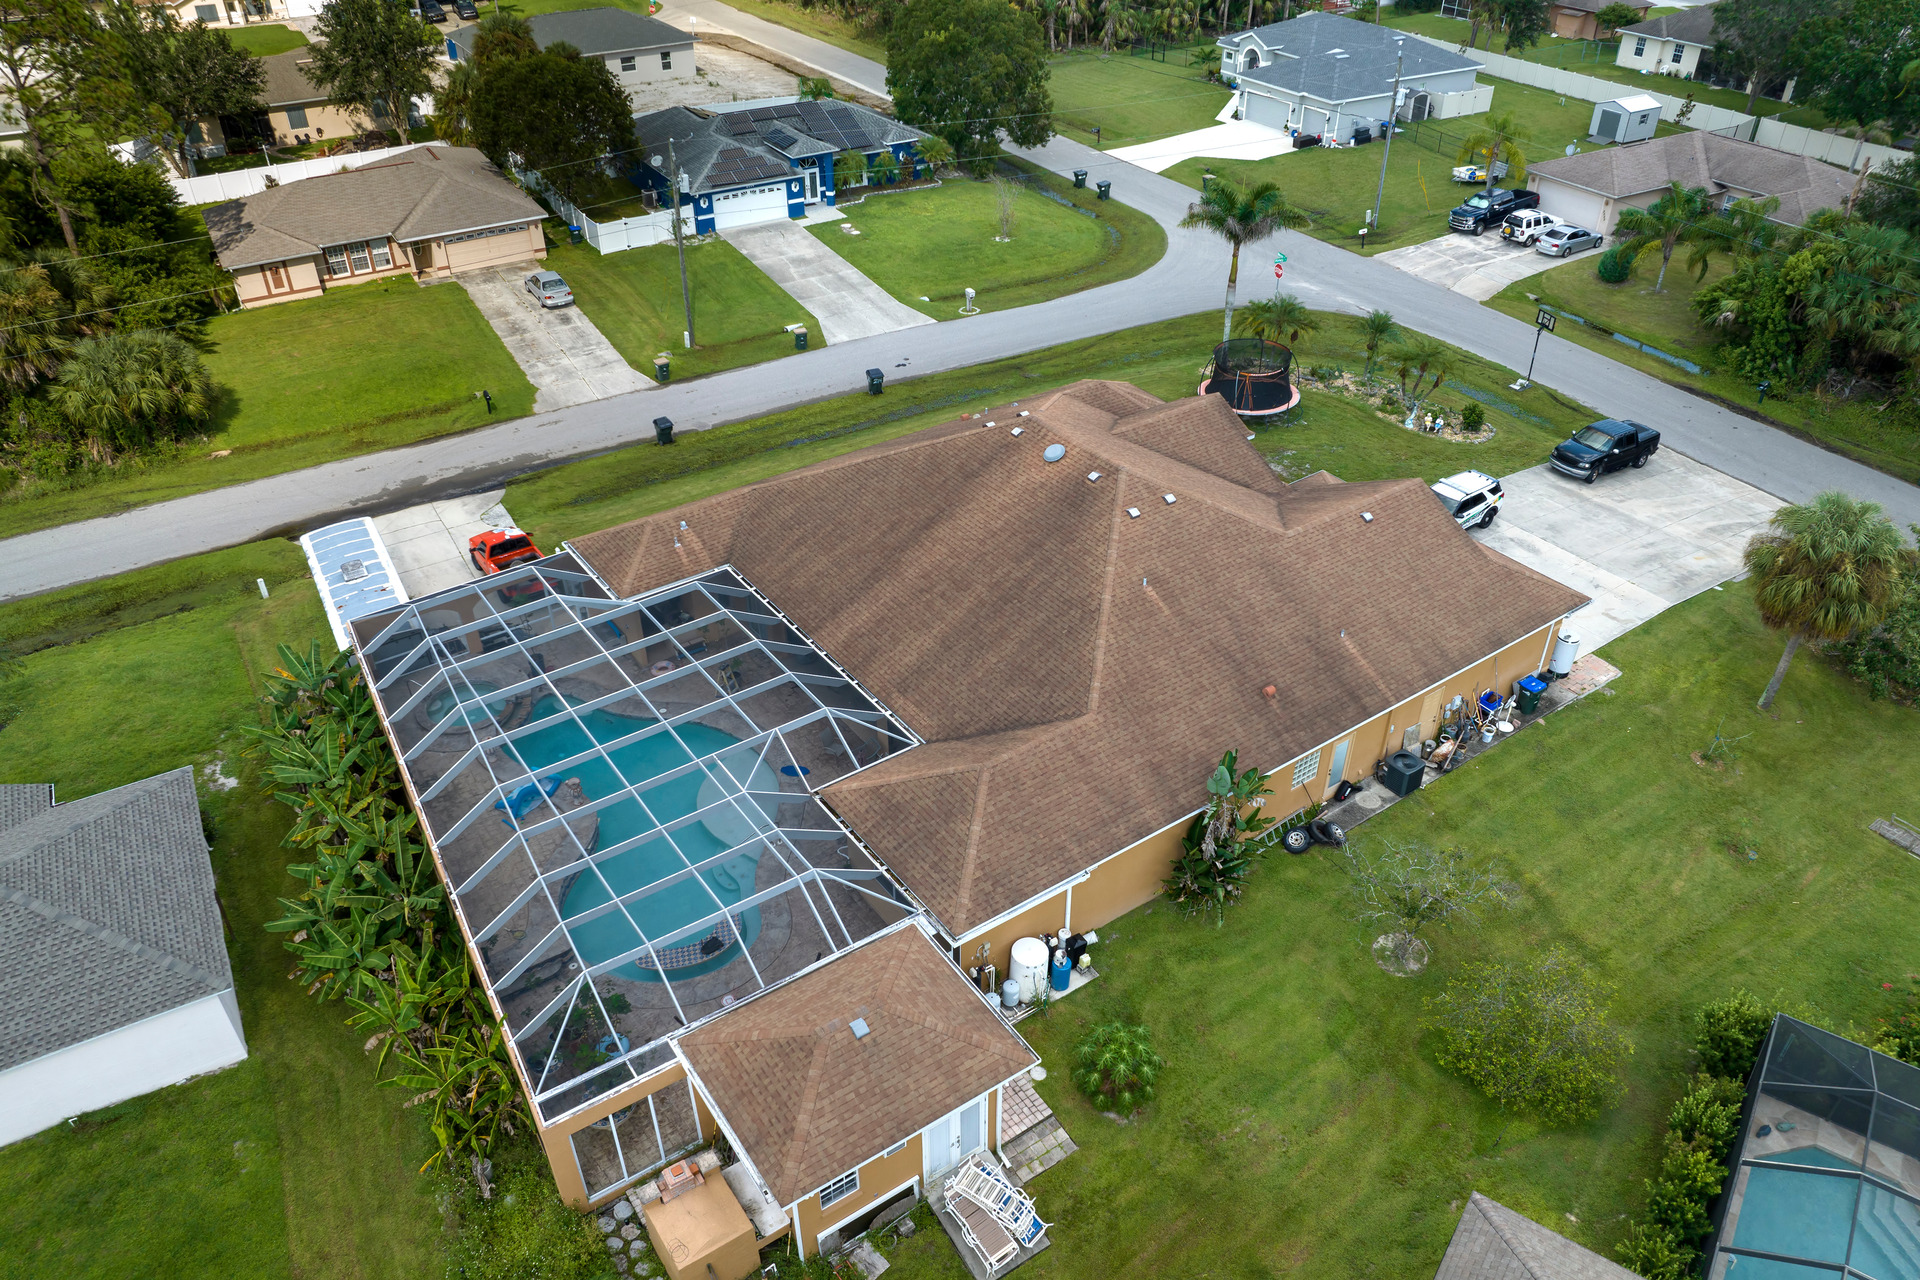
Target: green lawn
x=1337, y=185
x=361, y=368
x=633, y=297
x=1131, y=99
x=1665, y=320
x=294, y=1163
x=1302, y=1126
x=265, y=40
x=935, y=243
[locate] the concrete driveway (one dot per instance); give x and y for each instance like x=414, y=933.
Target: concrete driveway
x=1476, y=267
x=1637, y=541
x=568, y=361
x=427, y=544
x=846, y=303
x=1229, y=140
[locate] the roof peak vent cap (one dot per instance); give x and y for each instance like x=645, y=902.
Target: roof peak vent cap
x=1054, y=452
x=860, y=1028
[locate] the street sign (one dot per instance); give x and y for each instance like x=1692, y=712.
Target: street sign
x=1545, y=319
x=1279, y=258
x=1277, y=269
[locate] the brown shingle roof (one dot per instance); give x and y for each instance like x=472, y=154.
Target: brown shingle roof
x=1698, y=159
x=1493, y=1242
x=810, y=1101
x=429, y=191
x=1075, y=671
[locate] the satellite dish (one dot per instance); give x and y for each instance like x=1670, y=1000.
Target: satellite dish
x=656, y=161
x=1572, y=148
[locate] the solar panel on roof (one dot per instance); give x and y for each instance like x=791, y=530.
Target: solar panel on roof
x=760, y=113
x=780, y=138
x=740, y=125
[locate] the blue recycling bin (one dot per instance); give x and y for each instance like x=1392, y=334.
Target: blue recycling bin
x=1062, y=970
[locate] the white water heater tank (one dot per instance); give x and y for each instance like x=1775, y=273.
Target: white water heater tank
x=1027, y=966
x=1565, y=649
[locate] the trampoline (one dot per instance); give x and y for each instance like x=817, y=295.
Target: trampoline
x=1251, y=373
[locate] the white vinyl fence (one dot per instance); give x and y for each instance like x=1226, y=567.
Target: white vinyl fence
x=1833, y=148
x=241, y=183
x=622, y=233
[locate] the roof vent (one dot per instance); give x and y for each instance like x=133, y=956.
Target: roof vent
x=993, y=424
x=860, y=1028
x=1054, y=452
x=1133, y=513
x=1016, y=431
x=352, y=570
x=1367, y=516
x=1023, y=413
x=1093, y=477
x=1168, y=497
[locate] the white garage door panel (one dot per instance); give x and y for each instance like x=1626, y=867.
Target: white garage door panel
x=749, y=205
x=1568, y=204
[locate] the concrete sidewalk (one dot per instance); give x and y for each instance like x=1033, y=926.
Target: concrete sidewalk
x=568, y=361
x=844, y=301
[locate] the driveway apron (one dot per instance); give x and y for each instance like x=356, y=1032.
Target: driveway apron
x=846, y=303
x=568, y=361
x=1475, y=267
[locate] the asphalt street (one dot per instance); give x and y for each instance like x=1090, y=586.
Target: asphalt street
x=1191, y=277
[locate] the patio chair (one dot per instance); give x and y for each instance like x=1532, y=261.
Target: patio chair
x=984, y=1233
x=990, y=1188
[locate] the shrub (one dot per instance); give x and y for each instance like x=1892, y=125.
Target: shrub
x=1897, y=1031
x=1118, y=1066
x=1474, y=417
x=1613, y=267
x=1653, y=1253
x=1729, y=1036
x=525, y=1232
x=1690, y=1177
x=1216, y=854
x=1887, y=659
x=1708, y=1113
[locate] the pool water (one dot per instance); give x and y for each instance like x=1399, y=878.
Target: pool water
x=652, y=860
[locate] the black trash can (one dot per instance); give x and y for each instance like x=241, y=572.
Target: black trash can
x=1080, y=177
x=662, y=368
x=1527, y=691
x=663, y=430
x=800, y=338
x=1403, y=773
x=876, y=378
x=573, y=235
x=1105, y=189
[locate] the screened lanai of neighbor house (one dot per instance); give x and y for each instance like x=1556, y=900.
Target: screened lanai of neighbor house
x=618, y=792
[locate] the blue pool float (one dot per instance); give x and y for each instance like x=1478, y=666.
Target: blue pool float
x=525, y=798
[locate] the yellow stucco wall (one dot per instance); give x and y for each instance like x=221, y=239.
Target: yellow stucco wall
x=557, y=1138
x=879, y=1177
x=1045, y=917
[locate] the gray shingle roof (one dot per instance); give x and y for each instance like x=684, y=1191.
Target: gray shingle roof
x=1697, y=159
x=1337, y=59
x=107, y=916
x=22, y=800
x=595, y=32
x=287, y=82
x=1493, y=1242
x=429, y=191
x=721, y=150
x=1692, y=26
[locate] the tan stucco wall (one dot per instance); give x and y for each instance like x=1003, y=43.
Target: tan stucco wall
x=879, y=1177
x=300, y=279
x=559, y=1148
x=323, y=121
x=469, y=255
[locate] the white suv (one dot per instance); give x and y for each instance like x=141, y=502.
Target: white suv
x=1470, y=498
x=1524, y=227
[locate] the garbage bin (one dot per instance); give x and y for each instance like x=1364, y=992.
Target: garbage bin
x=1527, y=691
x=1105, y=189
x=1080, y=178
x=800, y=338
x=875, y=379
x=662, y=368
x=1403, y=772
x=573, y=235
x=663, y=430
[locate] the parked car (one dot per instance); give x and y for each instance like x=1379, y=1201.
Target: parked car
x=1478, y=172
x=1485, y=209
x=549, y=289
x=498, y=549
x=1606, y=445
x=1567, y=239
x=1524, y=228
x=1470, y=498
x=467, y=9
x=432, y=11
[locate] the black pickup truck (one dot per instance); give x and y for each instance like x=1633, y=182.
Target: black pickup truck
x=1485, y=209
x=1606, y=445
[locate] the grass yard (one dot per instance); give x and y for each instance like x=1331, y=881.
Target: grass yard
x=263, y=40
x=294, y=1163
x=1665, y=320
x=1328, y=432
x=926, y=247
x=362, y=368
x=633, y=297
x=1302, y=1126
x=1131, y=99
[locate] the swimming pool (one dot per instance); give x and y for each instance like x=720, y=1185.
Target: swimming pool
x=650, y=861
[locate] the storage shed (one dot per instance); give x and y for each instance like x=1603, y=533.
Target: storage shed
x=1628, y=119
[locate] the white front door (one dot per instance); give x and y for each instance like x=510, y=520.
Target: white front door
x=1338, y=771
x=948, y=1141
x=813, y=184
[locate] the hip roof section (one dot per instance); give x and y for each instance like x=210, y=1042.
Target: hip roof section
x=1698, y=159
x=1337, y=59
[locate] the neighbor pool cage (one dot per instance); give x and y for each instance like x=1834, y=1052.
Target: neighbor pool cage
x=621, y=796
x=1826, y=1171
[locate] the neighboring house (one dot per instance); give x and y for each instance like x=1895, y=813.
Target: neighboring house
x=239, y=13
x=1323, y=74
x=777, y=741
x=116, y=980
x=1493, y=1242
x=297, y=111
x=1574, y=20
x=1591, y=188
x=432, y=211
x=638, y=50
x=764, y=160
x=1669, y=45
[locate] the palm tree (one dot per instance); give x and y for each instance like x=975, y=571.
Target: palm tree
x=1494, y=139
x=1679, y=214
x=1377, y=327
x=453, y=104
x=1744, y=229
x=1830, y=570
x=1241, y=216
x=49, y=300
x=1417, y=357
x=1119, y=22
x=125, y=390
x=1283, y=316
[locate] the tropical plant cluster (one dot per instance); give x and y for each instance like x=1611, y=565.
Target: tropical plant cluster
x=369, y=924
x=1218, y=850
x=1117, y=1066
x=523, y=1230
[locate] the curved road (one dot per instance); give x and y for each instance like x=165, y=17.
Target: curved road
x=1190, y=278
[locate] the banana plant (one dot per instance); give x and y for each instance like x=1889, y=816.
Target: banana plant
x=429, y=994
x=465, y=1077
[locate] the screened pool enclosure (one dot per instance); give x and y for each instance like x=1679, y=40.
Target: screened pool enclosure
x=621, y=796
x=1828, y=1167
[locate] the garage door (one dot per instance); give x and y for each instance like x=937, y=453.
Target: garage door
x=749, y=205
x=1569, y=204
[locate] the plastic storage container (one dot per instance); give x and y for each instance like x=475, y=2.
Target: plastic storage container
x=1527, y=691
x=1565, y=650
x=1027, y=967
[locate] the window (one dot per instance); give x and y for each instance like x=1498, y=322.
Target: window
x=337, y=261
x=357, y=251
x=276, y=278
x=628, y=62
x=840, y=1188
x=296, y=117
x=382, y=259
x=1678, y=50
x=206, y=13
x=1307, y=769
x=1640, y=47
x=666, y=59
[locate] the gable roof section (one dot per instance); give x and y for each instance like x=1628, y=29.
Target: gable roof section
x=107, y=916
x=1305, y=60
x=1493, y=1242
x=596, y=33
x=432, y=190
x=809, y=1100
x=1031, y=631
x=1700, y=159
x=1689, y=26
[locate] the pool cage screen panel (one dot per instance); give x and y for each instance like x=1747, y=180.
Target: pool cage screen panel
x=623, y=798
x=1826, y=1176
x=637, y=1139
